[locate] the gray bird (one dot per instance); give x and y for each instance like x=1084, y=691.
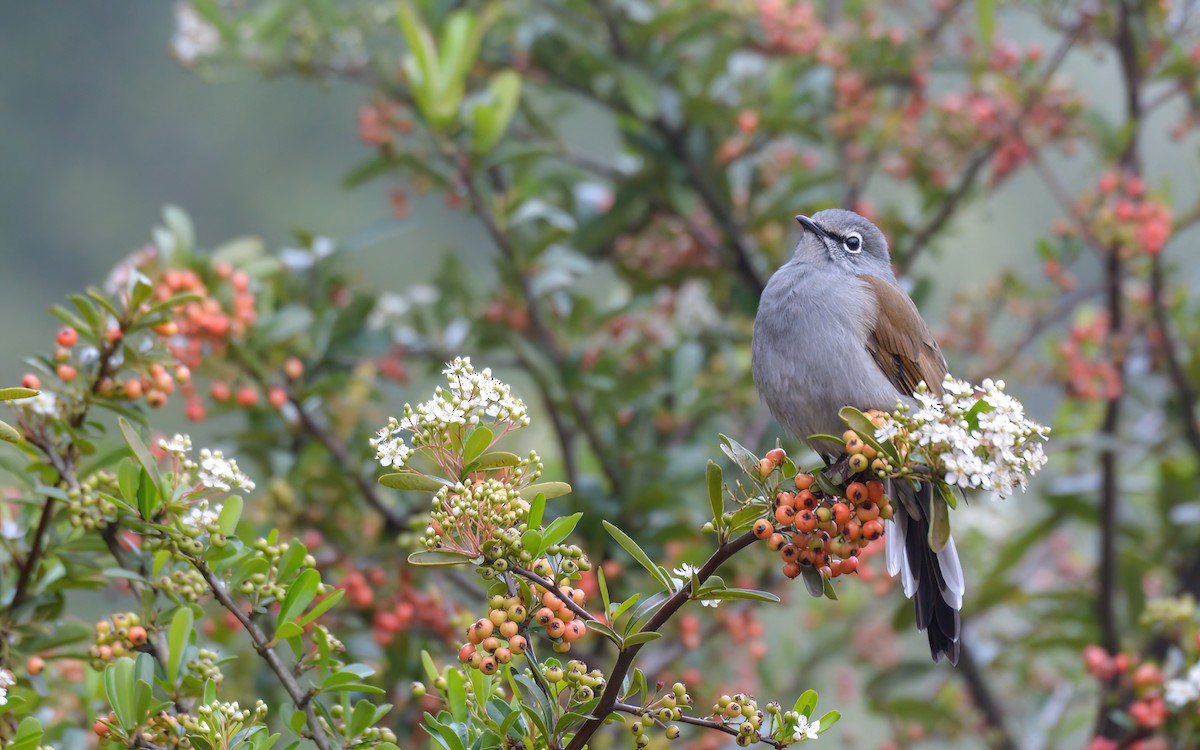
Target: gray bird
x=835, y=329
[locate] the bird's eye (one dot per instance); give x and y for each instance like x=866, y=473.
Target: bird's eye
x=853, y=242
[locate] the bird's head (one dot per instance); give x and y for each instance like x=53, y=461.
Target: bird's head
x=843, y=239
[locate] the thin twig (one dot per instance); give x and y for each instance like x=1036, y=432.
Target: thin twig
x=985, y=700
x=262, y=644
x=547, y=584
x=616, y=676
x=1179, y=377
x=696, y=722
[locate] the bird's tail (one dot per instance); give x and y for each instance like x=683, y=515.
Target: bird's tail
x=933, y=580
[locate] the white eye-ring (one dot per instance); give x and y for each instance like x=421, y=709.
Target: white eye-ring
x=852, y=242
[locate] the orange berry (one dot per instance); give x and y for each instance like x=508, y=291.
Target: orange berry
x=856, y=492
x=747, y=121
x=503, y=655
x=791, y=569
x=100, y=728
x=776, y=456
x=247, y=396
x=868, y=511
x=67, y=373
x=544, y=615
x=765, y=467
x=804, y=481
x=490, y=644
x=789, y=553
x=565, y=614
x=488, y=665
x=853, y=531
x=784, y=514
x=872, y=530
x=785, y=498
x=219, y=391
x=776, y=542
x=155, y=398
x=277, y=397
x=763, y=528
x=850, y=565
x=806, y=521
x=509, y=629
x=578, y=596
x=293, y=368
x=66, y=337
x=552, y=601
x=555, y=628
x=574, y=631
x=841, y=514
x=875, y=490
x=466, y=652
x=29, y=380
x=481, y=629
x=137, y=635
x=517, y=644
x=855, y=446
x=806, y=500
x=34, y=665
x=195, y=410
x=114, y=335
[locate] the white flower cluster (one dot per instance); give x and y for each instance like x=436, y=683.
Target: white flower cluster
x=7, y=680
x=220, y=473
x=980, y=441
x=472, y=397
x=804, y=729
x=194, y=37
x=1182, y=691
x=44, y=404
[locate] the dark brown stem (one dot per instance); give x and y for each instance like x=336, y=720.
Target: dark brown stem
x=696, y=722
x=984, y=699
x=34, y=557
x=1179, y=377
x=547, y=584
x=616, y=677
x=262, y=644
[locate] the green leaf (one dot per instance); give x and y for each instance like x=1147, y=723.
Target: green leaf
x=813, y=580
x=532, y=541
x=985, y=11
x=740, y=455
x=550, y=489
x=806, y=703
x=829, y=719
x=412, y=481
x=8, y=433
x=9, y=394
x=602, y=583
x=322, y=607
x=644, y=636
x=28, y=737
x=939, y=524
x=438, y=557
x=946, y=493
x=560, y=529
x=638, y=554
x=865, y=428
x=716, y=498
x=537, y=508
x=477, y=442
x=300, y=592
x=140, y=451
x=736, y=593
x=231, y=513
x=490, y=119
x=606, y=631
x=431, y=672
x=177, y=641
x=496, y=460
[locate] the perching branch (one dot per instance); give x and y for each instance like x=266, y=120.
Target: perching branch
x=301, y=698
x=685, y=719
x=615, y=678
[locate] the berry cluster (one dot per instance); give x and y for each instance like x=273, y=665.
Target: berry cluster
x=1148, y=710
x=395, y=611
x=367, y=736
x=496, y=639
x=742, y=712
x=575, y=678
x=90, y=507
x=186, y=584
x=118, y=636
x=485, y=517
x=814, y=529
x=669, y=707
x=268, y=583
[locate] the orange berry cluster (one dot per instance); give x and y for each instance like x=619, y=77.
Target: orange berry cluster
x=116, y=637
x=809, y=528
x=496, y=639
x=1145, y=680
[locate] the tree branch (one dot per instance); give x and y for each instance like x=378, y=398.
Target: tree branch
x=300, y=697
x=694, y=721
x=616, y=676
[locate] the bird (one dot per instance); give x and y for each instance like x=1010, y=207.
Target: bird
x=834, y=328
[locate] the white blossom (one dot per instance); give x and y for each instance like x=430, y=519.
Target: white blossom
x=44, y=404
x=7, y=680
x=179, y=445
x=683, y=576
x=219, y=473
x=1181, y=691
x=806, y=730
x=978, y=437
x=194, y=37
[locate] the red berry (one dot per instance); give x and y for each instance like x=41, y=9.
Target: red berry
x=67, y=373
x=804, y=481
x=31, y=381
x=293, y=368
x=784, y=514
x=277, y=397
x=856, y=492
x=67, y=337
x=247, y=396
x=219, y=391
x=776, y=456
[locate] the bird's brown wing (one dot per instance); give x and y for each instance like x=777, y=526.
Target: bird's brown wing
x=901, y=343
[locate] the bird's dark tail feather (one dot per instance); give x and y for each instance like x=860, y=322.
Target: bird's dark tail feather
x=933, y=596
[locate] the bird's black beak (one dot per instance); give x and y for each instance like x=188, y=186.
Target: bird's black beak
x=810, y=225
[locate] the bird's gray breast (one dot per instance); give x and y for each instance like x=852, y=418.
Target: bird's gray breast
x=809, y=354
